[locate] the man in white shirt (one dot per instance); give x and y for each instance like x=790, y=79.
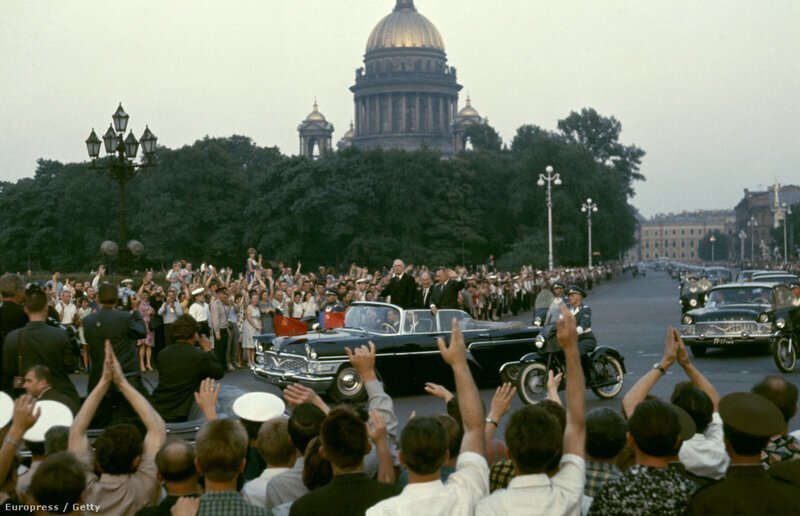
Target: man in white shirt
x=534, y=442
x=277, y=450
x=65, y=308
x=199, y=310
x=424, y=448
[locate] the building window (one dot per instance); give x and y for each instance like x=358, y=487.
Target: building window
x=683, y=231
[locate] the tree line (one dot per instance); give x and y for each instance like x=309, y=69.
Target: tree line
x=212, y=200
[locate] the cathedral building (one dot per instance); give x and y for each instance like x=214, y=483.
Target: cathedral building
x=406, y=94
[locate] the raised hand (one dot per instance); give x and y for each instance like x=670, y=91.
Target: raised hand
x=456, y=353
x=295, y=394
x=363, y=360
x=682, y=355
x=501, y=401
x=25, y=413
x=206, y=397
x=439, y=391
x=566, y=332
x=670, y=348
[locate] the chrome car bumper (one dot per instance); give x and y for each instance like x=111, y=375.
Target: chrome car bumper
x=728, y=333
x=284, y=378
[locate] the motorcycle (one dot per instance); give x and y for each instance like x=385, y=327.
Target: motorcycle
x=529, y=374
x=784, y=351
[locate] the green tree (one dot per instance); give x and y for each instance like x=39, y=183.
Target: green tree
x=721, y=247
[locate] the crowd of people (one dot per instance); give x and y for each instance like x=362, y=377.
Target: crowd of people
x=696, y=453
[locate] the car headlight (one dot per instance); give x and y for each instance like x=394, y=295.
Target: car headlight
x=687, y=319
x=780, y=323
x=693, y=302
x=763, y=318
x=315, y=366
x=539, y=342
x=537, y=321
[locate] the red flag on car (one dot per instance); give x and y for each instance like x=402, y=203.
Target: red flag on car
x=333, y=320
x=288, y=327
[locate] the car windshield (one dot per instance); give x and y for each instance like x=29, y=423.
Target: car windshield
x=374, y=319
x=740, y=296
x=419, y=321
x=543, y=299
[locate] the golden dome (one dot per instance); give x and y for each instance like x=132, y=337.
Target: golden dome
x=349, y=134
x=315, y=116
x=468, y=111
x=405, y=28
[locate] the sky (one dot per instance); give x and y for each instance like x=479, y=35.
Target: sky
x=710, y=89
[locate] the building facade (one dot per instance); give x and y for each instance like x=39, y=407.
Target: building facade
x=677, y=236
x=757, y=214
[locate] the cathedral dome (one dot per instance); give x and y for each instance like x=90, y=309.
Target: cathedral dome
x=405, y=28
x=315, y=116
x=468, y=111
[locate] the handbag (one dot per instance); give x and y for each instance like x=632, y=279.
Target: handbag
x=19, y=381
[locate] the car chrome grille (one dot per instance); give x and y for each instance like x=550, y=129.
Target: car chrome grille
x=274, y=361
x=725, y=328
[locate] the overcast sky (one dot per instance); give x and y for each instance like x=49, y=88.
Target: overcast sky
x=709, y=89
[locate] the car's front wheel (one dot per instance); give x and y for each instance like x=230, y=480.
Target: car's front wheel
x=699, y=351
x=785, y=354
x=347, y=386
x=532, y=383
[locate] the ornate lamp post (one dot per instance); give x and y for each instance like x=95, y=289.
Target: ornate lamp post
x=121, y=168
x=752, y=224
x=556, y=180
x=786, y=211
x=588, y=207
x=713, y=240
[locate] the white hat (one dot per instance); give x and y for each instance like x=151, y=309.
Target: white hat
x=51, y=413
x=127, y=280
x=258, y=406
x=6, y=409
x=198, y=291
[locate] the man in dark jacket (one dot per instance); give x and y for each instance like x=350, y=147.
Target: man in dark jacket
x=401, y=287
x=123, y=329
x=181, y=368
x=40, y=344
x=445, y=293
x=12, y=314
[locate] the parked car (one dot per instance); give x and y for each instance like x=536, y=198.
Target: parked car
x=407, y=355
x=743, y=313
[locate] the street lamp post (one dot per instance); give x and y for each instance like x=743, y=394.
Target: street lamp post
x=555, y=179
x=787, y=210
x=713, y=240
x=752, y=223
x=121, y=168
x=588, y=208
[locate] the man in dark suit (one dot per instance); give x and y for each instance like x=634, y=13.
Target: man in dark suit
x=181, y=369
x=40, y=344
x=123, y=329
x=401, y=287
x=749, y=420
x=38, y=385
x=12, y=314
x=344, y=443
x=425, y=292
x=445, y=293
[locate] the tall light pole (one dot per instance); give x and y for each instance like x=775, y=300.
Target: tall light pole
x=588, y=208
x=713, y=240
x=786, y=211
x=752, y=223
x=121, y=168
x=556, y=180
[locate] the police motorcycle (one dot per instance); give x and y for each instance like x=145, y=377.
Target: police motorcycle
x=604, y=369
x=692, y=295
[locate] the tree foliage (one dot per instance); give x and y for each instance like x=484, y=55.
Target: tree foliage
x=212, y=200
